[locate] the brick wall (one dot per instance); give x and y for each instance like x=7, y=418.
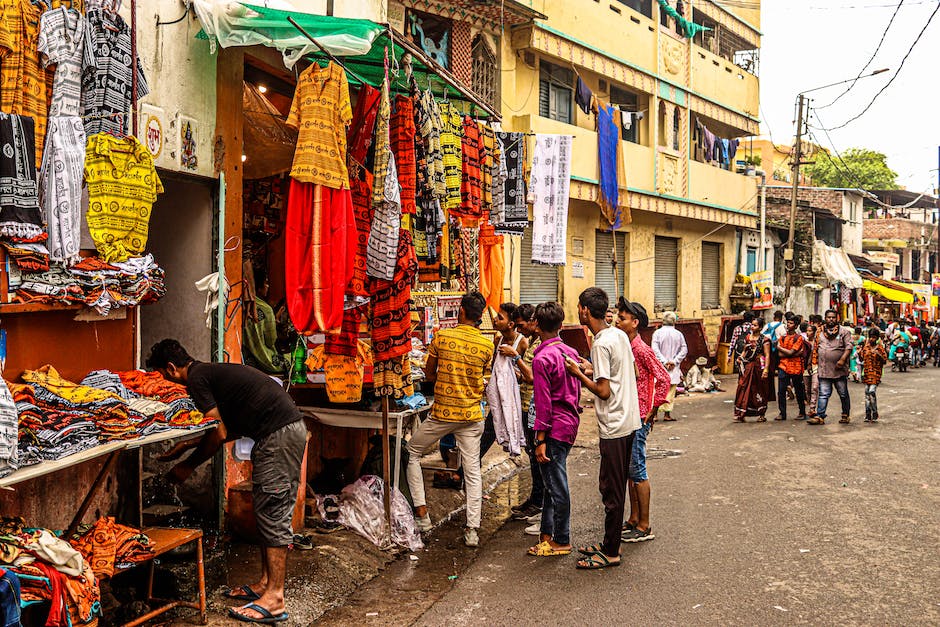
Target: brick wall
x=778, y=215
x=898, y=228
x=818, y=197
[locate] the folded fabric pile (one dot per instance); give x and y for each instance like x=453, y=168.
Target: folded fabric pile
x=108, y=411
x=50, y=570
x=95, y=283
x=29, y=256
x=46, y=434
x=109, y=546
x=182, y=410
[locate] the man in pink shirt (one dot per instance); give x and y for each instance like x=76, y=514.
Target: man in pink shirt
x=652, y=382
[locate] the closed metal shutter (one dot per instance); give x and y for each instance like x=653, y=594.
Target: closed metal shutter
x=711, y=275
x=607, y=276
x=538, y=283
x=666, y=279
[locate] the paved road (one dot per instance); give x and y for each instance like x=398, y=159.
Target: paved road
x=773, y=523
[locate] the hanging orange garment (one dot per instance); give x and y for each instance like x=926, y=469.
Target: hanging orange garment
x=492, y=265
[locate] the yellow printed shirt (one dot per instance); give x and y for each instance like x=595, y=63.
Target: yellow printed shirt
x=321, y=112
x=452, y=149
x=463, y=357
x=122, y=187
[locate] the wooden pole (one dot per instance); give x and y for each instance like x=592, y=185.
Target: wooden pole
x=386, y=466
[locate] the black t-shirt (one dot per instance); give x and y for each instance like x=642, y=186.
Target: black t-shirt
x=250, y=402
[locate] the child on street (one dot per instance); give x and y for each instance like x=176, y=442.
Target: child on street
x=873, y=357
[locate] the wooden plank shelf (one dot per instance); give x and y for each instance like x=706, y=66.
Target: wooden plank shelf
x=16, y=308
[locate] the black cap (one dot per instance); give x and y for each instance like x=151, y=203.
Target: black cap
x=636, y=310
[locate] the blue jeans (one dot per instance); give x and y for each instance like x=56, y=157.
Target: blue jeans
x=825, y=391
x=556, y=500
x=638, y=458
x=9, y=600
x=871, y=401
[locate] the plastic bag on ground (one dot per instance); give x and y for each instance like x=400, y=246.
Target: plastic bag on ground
x=362, y=509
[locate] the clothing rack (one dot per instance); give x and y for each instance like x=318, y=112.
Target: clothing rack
x=329, y=54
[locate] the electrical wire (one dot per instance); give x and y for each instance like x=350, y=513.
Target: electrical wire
x=895, y=75
x=881, y=41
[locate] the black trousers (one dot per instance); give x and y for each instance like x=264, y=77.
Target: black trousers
x=612, y=481
x=783, y=381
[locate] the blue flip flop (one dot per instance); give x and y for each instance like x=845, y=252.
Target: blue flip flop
x=267, y=618
x=242, y=593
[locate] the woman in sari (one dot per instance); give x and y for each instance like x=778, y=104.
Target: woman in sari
x=755, y=389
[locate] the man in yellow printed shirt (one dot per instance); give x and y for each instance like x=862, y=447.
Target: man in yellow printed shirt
x=458, y=359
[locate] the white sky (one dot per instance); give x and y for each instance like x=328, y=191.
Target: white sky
x=809, y=43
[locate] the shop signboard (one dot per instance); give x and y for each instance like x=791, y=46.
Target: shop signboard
x=921, y=297
x=763, y=289
x=935, y=285
x=884, y=258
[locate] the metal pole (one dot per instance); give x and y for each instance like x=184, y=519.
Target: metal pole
x=386, y=466
x=795, y=184
x=761, y=263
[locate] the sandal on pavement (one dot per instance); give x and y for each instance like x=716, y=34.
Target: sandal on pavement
x=594, y=549
x=596, y=562
x=845, y=420
x=670, y=419
x=266, y=618
x=544, y=549
x=816, y=420
x=762, y=419
x=242, y=593
x=738, y=420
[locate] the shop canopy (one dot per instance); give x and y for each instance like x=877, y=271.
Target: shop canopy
x=837, y=266
x=360, y=45
x=894, y=291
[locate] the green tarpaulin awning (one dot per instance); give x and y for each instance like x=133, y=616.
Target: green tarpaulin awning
x=359, y=44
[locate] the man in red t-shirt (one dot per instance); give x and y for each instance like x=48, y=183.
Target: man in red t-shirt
x=790, y=368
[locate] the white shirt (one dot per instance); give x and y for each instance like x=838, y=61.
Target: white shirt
x=669, y=346
x=612, y=358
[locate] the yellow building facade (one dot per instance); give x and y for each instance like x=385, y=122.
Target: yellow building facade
x=679, y=252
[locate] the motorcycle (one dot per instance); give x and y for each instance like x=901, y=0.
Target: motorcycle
x=902, y=359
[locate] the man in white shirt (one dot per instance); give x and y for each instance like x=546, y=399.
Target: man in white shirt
x=611, y=377
x=670, y=348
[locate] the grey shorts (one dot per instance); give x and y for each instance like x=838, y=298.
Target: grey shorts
x=275, y=480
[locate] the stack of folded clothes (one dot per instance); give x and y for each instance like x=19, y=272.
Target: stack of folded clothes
x=182, y=410
x=97, y=284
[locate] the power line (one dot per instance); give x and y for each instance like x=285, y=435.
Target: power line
x=872, y=58
x=891, y=80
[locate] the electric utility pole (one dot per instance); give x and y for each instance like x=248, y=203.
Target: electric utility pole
x=796, y=162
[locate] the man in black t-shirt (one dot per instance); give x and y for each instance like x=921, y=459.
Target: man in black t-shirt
x=247, y=403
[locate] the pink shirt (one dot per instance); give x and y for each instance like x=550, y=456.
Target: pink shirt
x=557, y=393
x=652, y=379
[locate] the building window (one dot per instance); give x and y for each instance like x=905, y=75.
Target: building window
x=556, y=92
x=915, y=265
x=643, y=7
x=675, y=128
x=485, y=72
x=666, y=274
x=628, y=102
x=432, y=34
x=711, y=275
x=750, y=265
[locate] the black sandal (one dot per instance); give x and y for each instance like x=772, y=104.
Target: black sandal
x=596, y=562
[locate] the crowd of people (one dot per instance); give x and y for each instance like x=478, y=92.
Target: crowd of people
x=810, y=358
x=538, y=385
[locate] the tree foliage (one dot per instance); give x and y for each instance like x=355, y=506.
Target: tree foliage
x=862, y=168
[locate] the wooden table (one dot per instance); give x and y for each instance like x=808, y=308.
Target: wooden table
x=165, y=540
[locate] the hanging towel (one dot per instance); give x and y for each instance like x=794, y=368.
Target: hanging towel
x=216, y=289
x=583, y=96
x=515, y=214
x=20, y=219
x=551, y=181
x=9, y=422
x=608, y=145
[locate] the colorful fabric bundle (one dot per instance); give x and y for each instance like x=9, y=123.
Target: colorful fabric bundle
x=30, y=257
x=471, y=177
x=23, y=84
x=109, y=546
x=360, y=185
x=182, y=410
x=391, y=314
x=359, y=135
x=9, y=424
x=343, y=373
x=402, y=136
x=609, y=156
x=515, y=214
x=551, y=180
x=60, y=185
x=452, y=151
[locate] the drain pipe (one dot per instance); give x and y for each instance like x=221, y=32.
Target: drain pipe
x=761, y=263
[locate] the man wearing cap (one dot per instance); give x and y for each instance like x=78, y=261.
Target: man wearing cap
x=670, y=348
x=652, y=384
x=700, y=377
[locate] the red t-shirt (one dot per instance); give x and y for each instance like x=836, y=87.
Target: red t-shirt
x=792, y=341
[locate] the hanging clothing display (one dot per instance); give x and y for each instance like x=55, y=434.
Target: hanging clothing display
x=503, y=400
x=386, y=225
x=402, y=132
x=343, y=373
x=362, y=127
x=346, y=341
x=498, y=189
x=390, y=303
x=60, y=187
x=452, y=151
x=360, y=185
x=471, y=177
x=492, y=266
x=430, y=125
x=515, y=211
x=321, y=112
x=122, y=187
x=107, y=81
x=20, y=219
x=23, y=89
x=383, y=148
x=489, y=158
x=470, y=256
x=609, y=155
x=551, y=179
x=393, y=377
x=320, y=247
x=62, y=39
